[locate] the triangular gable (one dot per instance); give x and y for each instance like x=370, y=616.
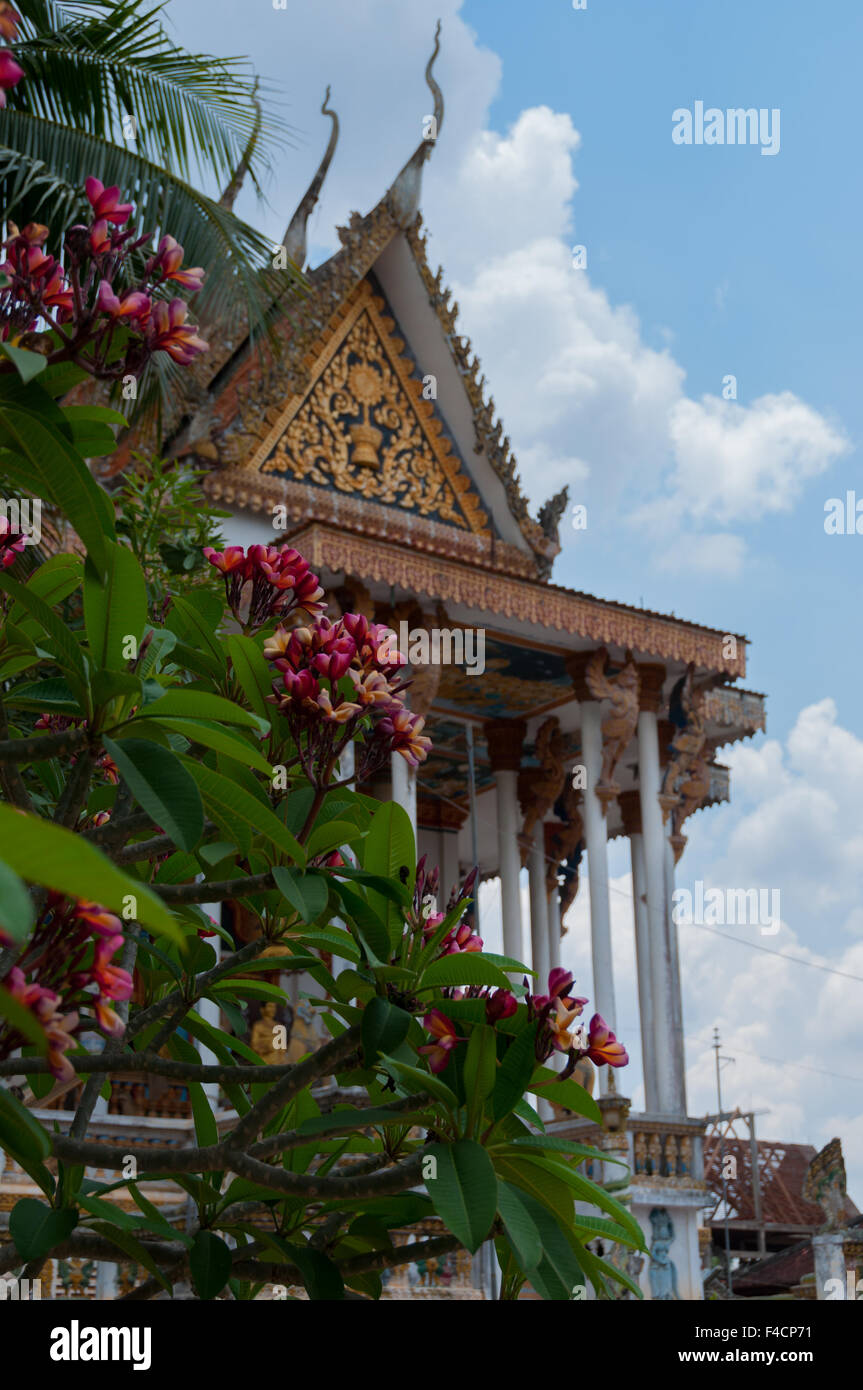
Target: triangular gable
x=362, y=426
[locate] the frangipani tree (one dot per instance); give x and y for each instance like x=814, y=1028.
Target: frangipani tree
x=159, y=754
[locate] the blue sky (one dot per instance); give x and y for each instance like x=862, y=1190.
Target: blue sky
x=703, y=261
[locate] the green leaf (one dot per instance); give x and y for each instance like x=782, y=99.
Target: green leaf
x=332, y=836
x=252, y=672
x=133, y=1248
x=52, y=468
x=16, y=905
x=558, y=1272
x=240, y=815
x=389, y=850
x=568, y=1094
x=36, y=1228
x=320, y=1276
x=568, y=1146
x=23, y=1020
x=464, y=1190
x=516, y=1070
x=222, y=740
x=373, y=933
x=181, y=703
x=209, y=1263
x=464, y=968
x=115, y=609
x=206, y=1129
x=61, y=642
x=27, y=364
x=480, y=1065
x=532, y=1177
x=43, y=853
x=20, y=1132
x=191, y=626
x=306, y=893
x=162, y=786
x=385, y=1025
x=520, y=1227
x=418, y=1081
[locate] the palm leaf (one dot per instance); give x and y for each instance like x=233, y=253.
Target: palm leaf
x=94, y=63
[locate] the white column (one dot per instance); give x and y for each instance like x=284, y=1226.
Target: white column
x=538, y=909
x=554, y=928
x=678, y=1053
x=450, y=871
x=404, y=787
x=642, y=956
x=654, y=875
x=597, y=865
x=509, y=859
x=209, y=1010
x=829, y=1258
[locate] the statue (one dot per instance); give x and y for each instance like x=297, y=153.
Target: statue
x=263, y=1036
x=619, y=726
x=686, y=712
x=566, y=849
x=545, y=785
x=825, y=1185
x=692, y=788
x=662, y=1272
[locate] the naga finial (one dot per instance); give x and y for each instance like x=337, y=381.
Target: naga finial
x=295, y=237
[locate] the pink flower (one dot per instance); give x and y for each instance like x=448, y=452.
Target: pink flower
x=100, y=236
x=167, y=331
x=57, y=295
x=103, y=922
x=9, y=21
x=442, y=1029
x=10, y=73
x=502, y=1004
x=405, y=732
x=168, y=260
x=134, y=306
x=113, y=982
x=12, y=544
x=603, y=1046
x=226, y=560
x=105, y=202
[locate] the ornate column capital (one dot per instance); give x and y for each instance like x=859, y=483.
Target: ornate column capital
x=505, y=739
x=630, y=810
x=652, y=680
x=435, y=814
x=576, y=664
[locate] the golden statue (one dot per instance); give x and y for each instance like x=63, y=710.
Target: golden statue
x=619, y=726
x=263, y=1036
x=546, y=782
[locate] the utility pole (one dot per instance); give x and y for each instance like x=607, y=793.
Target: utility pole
x=722, y=1157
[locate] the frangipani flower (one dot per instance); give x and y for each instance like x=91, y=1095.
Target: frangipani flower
x=446, y=1037
x=603, y=1046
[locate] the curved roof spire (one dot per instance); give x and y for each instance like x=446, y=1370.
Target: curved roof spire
x=295, y=237
x=232, y=188
x=404, y=195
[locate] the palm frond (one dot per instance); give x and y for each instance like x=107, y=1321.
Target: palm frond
x=95, y=63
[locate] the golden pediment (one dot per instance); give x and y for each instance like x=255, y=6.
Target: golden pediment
x=363, y=427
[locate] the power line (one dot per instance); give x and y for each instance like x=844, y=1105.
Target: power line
x=756, y=946
x=782, y=1061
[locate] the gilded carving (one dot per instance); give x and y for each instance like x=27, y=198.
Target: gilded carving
x=619, y=726
x=546, y=783
x=363, y=427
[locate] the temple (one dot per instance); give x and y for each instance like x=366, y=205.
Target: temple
x=560, y=721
